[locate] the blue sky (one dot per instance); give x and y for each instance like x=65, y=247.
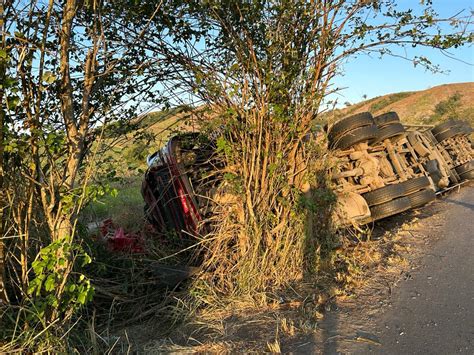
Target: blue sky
x=372, y=76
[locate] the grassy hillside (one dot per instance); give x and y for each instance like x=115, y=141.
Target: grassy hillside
x=127, y=146
x=421, y=107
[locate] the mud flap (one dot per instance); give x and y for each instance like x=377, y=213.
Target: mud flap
x=351, y=208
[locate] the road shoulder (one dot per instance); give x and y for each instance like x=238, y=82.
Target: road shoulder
x=425, y=306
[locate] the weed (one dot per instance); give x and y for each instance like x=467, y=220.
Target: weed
x=274, y=347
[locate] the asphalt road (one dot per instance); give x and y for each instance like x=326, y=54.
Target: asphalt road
x=432, y=312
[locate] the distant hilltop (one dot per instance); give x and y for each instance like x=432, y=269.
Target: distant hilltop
x=421, y=107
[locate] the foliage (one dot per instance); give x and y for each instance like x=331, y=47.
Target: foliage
x=382, y=103
x=56, y=292
x=68, y=70
x=447, y=109
x=51, y=286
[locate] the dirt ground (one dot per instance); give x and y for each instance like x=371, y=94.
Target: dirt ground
x=329, y=322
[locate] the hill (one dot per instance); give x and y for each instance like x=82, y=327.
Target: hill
x=420, y=107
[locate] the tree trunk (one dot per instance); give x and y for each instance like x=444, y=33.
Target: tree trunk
x=3, y=295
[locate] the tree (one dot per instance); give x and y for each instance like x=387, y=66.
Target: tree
x=3, y=295
x=263, y=70
x=68, y=70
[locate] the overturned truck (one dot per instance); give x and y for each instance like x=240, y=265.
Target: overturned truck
x=380, y=168
x=383, y=167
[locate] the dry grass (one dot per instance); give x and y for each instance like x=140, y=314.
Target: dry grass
x=244, y=325
x=419, y=106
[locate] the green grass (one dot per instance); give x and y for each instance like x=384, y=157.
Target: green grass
x=379, y=105
x=125, y=209
x=127, y=158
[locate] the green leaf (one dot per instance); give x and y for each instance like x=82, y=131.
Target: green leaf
x=81, y=298
x=50, y=283
x=223, y=145
x=31, y=288
x=48, y=77
x=3, y=54
x=114, y=193
x=87, y=260
x=13, y=101
x=37, y=267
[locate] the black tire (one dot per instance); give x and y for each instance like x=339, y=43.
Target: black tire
x=444, y=126
x=467, y=129
x=461, y=169
x=415, y=184
x=355, y=136
x=453, y=131
x=390, y=208
x=384, y=194
x=467, y=175
x=349, y=123
x=390, y=131
x=421, y=198
x=453, y=176
x=386, y=119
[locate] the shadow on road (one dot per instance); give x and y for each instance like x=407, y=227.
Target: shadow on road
x=464, y=204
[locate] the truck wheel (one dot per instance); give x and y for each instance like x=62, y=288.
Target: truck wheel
x=467, y=129
x=386, y=119
x=390, y=208
x=390, y=131
x=444, y=126
x=415, y=184
x=349, y=123
x=453, y=176
x=453, y=131
x=421, y=198
x=467, y=175
x=384, y=194
x=461, y=169
x=355, y=136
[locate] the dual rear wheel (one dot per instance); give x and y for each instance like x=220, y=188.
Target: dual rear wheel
x=466, y=171
x=362, y=127
x=393, y=199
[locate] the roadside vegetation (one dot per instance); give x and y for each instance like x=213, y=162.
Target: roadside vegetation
x=77, y=79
